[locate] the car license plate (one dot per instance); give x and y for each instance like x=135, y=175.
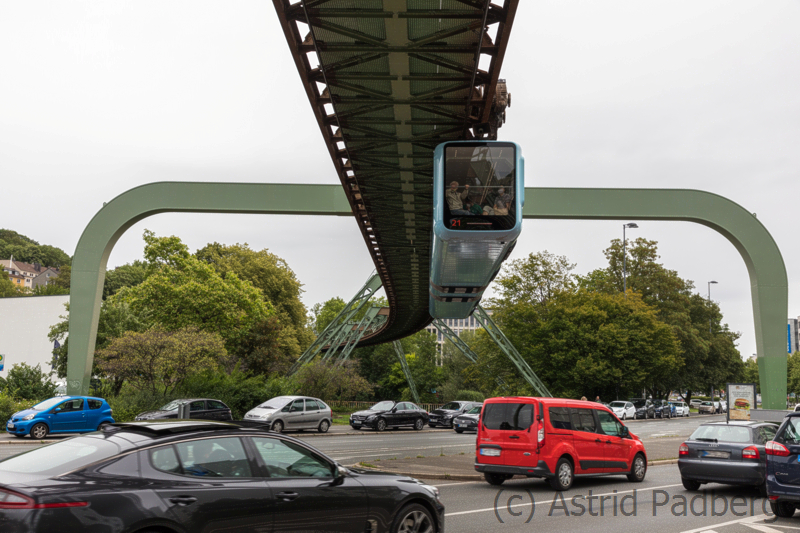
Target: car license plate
x=716, y=455
x=462, y=425
x=10, y=425
x=356, y=422
x=490, y=452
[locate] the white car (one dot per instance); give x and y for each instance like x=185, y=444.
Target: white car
x=623, y=410
x=681, y=409
x=695, y=403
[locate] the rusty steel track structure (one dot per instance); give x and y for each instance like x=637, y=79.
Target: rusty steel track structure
x=388, y=80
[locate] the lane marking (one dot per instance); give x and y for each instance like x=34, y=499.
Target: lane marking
x=723, y=524
x=606, y=494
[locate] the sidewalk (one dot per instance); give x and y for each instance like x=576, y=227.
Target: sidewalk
x=461, y=467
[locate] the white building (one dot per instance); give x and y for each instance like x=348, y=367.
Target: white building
x=25, y=322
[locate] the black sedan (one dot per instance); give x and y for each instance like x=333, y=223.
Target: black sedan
x=468, y=421
x=194, y=475
x=203, y=408
x=732, y=453
x=662, y=409
x=389, y=414
x=445, y=414
x=644, y=408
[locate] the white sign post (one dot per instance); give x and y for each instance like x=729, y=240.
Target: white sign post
x=741, y=399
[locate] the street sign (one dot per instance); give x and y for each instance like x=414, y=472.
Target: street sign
x=741, y=399
x=2, y=361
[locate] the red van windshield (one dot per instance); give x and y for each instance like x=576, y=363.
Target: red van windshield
x=508, y=416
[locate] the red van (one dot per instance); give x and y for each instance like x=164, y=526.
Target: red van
x=556, y=439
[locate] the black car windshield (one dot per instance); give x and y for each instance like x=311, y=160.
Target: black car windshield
x=382, y=406
x=276, y=403
x=451, y=406
x=61, y=457
x=173, y=405
x=475, y=410
x=722, y=433
x=47, y=404
x=638, y=403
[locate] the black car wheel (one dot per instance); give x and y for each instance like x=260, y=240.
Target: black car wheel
x=782, y=509
x=623, y=416
x=380, y=425
x=638, y=469
x=39, y=431
x=277, y=426
x=419, y=424
x=495, y=479
x=564, y=475
x=414, y=518
x=323, y=426
x=690, y=484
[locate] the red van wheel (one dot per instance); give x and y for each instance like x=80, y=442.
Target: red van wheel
x=495, y=479
x=564, y=475
x=638, y=469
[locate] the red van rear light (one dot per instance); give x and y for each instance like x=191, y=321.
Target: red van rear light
x=751, y=452
x=540, y=433
x=775, y=448
x=683, y=450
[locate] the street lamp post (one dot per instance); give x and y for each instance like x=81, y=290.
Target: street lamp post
x=709, y=302
x=631, y=225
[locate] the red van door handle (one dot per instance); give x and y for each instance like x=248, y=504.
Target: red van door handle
x=513, y=436
x=608, y=442
x=597, y=440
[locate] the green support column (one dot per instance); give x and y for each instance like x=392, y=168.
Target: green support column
x=768, y=283
x=99, y=237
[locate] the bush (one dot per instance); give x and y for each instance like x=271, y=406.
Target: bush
x=237, y=390
x=9, y=406
x=331, y=381
x=470, y=396
x=130, y=402
x=26, y=382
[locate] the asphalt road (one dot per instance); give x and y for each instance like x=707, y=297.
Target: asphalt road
x=658, y=504
x=349, y=447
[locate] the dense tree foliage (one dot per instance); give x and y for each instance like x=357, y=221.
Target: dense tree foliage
x=8, y=289
x=128, y=275
x=157, y=361
x=25, y=382
x=27, y=250
x=332, y=381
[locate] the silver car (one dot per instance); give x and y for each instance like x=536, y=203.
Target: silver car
x=292, y=413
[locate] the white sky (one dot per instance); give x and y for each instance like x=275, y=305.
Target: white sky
x=98, y=97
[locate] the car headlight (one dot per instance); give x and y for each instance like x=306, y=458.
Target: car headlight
x=433, y=490
x=29, y=417
x=370, y=417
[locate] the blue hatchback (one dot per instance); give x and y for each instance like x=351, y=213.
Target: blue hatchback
x=63, y=414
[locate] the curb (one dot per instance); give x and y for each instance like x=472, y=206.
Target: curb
x=467, y=477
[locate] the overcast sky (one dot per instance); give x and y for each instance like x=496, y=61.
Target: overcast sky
x=99, y=97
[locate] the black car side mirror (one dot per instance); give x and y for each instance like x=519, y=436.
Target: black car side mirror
x=394, y=409
x=626, y=434
x=339, y=473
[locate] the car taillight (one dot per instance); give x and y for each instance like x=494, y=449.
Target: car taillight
x=775, y=448
x=540, y=434
x=683, y=450
x=751, y=452
x=15, y=500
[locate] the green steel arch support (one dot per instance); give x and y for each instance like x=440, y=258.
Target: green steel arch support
x=100, y=236
x=769, y=285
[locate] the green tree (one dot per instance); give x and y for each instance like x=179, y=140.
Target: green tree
x=330, y=381
x=50, y=289
x=7, y=288
x=27, y=250
x=707, y=347
x=534, y=279
x=325, y=313
x=26, y=382
x=260, y=350
x=116, y=317
x=750, y=374
x=157, y=361
x=183, y=291
x=128, y=275
x=64, y=278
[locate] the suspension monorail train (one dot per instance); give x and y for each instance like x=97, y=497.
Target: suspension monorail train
x=479, y=191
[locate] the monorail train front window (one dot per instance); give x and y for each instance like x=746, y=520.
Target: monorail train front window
x=480, y=186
